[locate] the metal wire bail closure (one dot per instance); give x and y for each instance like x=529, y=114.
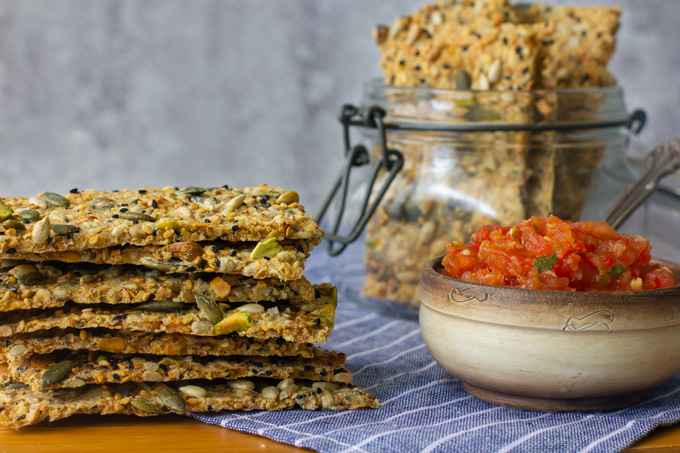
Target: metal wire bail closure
x=356, y=156
x=393, y=161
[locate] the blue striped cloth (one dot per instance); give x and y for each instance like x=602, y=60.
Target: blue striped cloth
x=422, y=408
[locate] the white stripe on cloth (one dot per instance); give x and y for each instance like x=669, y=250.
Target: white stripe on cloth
x=595, y=443
x=392, y=378
x=373, y=333
x=386, y=346
x=394, y=431
x=533, y=434
x=380, y=422
x=391, y=359
x=443, y=440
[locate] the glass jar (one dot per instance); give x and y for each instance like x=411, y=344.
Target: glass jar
x=473, y=158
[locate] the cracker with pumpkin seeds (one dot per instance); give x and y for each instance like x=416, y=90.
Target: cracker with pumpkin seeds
x=576, y=44
x=93, y=219
x=52, y=284
x=23, y=406
x=76, y=369
x=305, y=322
x=265, y=259
x=466, y=45
x=130, y=342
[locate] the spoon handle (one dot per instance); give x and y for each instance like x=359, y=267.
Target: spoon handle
x=663, y=160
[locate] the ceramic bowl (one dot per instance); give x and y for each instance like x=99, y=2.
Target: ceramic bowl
x=551, y=350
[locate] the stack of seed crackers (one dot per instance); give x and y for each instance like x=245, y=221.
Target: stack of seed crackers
x=164, y=300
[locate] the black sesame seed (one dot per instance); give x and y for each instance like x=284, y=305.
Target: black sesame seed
x=123, y=209
x=215, y=249
x=226, y=186
x=216, y=263
x=234, y=227
x=402, y=62
x=191, y=269
x=11, y=250
x=135, y=222
x=201, y=265
x=26, y=221
x=206, y=221
x=322, y=372
x=142, y=191
x=317, y=321
x=464, y=48
x=74, y=190
x=115, y=216
x=318, y=390
x=154, y=204
x=505, y=40
x=267, y=258
x=309, y=368
x=115, y=376
x=280, y=341
x=177, y=232
x=80, y=324
x=417, y=67
x=232, y=253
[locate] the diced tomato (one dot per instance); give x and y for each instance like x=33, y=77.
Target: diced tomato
x=553, y=254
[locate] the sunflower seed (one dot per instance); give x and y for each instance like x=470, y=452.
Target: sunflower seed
x=146, y=405
x=64, y=229
x=209, y=309
x=233, y=204
x=41, y=231
x=56, y=200
x=56, y=373
x=194, y=390
x=171, y=398
x=136, y=216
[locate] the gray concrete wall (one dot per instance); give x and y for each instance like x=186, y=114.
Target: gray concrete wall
x=112, y=94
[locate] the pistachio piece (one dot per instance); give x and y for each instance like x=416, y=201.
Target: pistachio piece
x=171, y=398
x=266, y=248
x=162, y=306
x=139, y=216
x=15, y=224
x=147, y=405
x=168, y=225
x=233, y=323
x=288, y=197
x=56, y=373
x=192, y=190
x=64, y=229
x=29, y=214
x=5, y=211
x=209, y=309
x=41, y=231
x=57, y=200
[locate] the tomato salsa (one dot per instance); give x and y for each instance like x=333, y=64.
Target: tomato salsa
x=554, y=254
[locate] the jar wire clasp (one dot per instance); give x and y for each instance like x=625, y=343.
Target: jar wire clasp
x=356, y=156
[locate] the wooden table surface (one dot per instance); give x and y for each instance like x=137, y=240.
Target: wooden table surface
x=172, y=433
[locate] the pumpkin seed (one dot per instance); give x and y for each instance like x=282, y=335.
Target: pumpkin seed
x=162, y=306
x=13, y=223
x=163, y=266
x=146, y=405
x=192, y=190
x=463, y=80
x=29, y=214
x=31, y=278
x=5, y=211
x=64, y=229
x=56, y=373
x=209, y=309
x=136, y=216
x=171, y=398
x=56, y=200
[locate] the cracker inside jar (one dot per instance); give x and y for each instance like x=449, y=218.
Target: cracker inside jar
x=487, y=62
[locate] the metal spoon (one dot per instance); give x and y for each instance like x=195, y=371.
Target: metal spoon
x=663, y=160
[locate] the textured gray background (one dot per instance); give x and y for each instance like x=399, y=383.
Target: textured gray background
x=112, y=94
